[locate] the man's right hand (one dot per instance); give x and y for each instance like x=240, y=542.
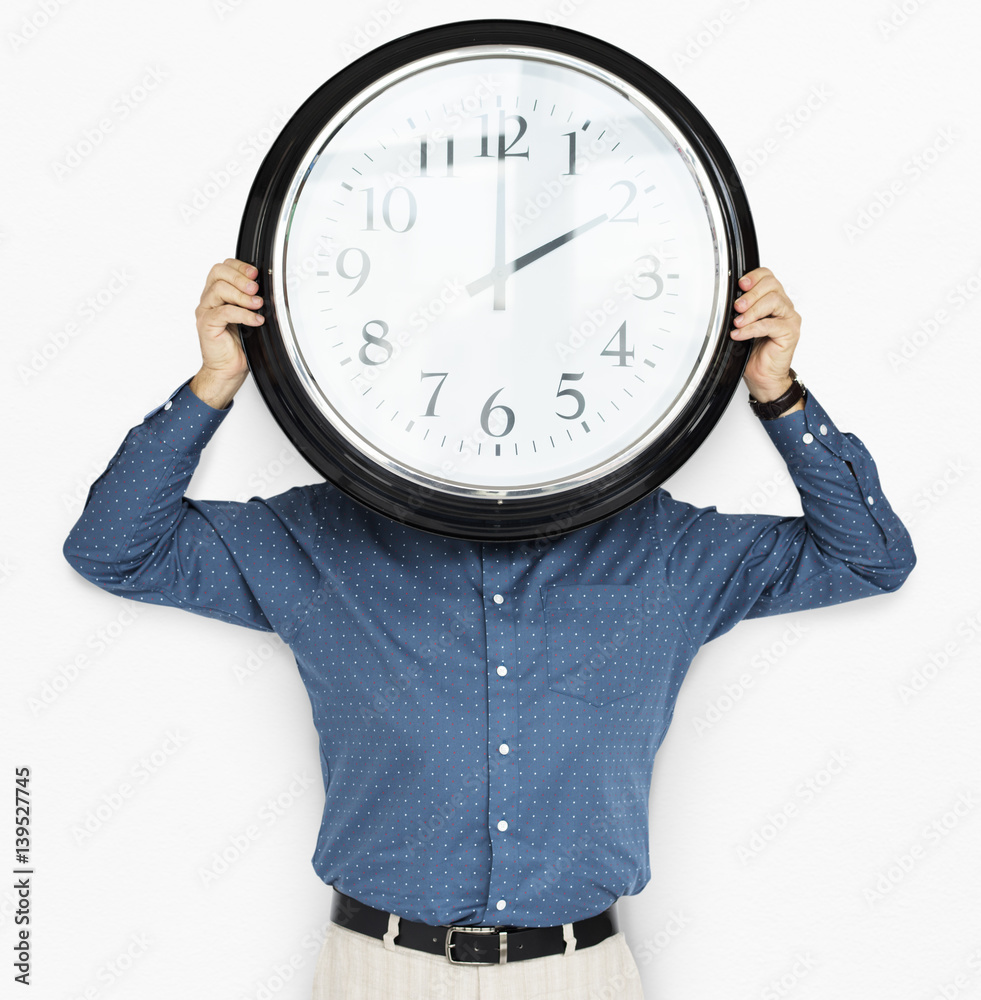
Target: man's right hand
x=229, y=298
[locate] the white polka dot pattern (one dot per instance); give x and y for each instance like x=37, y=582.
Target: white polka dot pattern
x=455, y=683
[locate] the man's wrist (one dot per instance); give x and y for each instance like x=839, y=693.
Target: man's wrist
x=215, y=389
x=778, y=398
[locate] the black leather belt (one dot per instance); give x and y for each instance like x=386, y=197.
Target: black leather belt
x=461, y=943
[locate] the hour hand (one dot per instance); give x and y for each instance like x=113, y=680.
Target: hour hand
x=529, y=258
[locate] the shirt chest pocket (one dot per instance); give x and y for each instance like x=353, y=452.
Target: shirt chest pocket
x=596, y=644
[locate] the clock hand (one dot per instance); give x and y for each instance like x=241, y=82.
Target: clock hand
x=499, y=275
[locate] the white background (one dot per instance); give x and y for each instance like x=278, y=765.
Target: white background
x=823, y=908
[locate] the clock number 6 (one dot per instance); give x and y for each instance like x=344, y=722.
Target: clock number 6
x=489, y=408
x=576, y=395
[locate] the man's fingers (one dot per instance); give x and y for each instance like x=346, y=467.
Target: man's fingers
x=235, y=272
x=222, y=291
x=222, y=316
x=771, y=303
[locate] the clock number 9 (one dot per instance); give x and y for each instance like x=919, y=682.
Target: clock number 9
x=576, y=395
x=370, y=341
x=489, y=408
x=362, y=275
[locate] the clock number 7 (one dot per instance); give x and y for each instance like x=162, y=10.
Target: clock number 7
x=431, y=409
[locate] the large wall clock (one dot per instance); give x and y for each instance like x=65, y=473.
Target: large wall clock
x=498, y=260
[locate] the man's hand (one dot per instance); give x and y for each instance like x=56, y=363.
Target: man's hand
x=769, y=316
x=228, y=299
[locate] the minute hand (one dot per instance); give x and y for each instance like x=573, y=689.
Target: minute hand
x=529, y=258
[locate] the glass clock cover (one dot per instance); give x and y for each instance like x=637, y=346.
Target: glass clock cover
x=498, y=260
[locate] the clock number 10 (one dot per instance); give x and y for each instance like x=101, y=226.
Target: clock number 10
x=411, y=210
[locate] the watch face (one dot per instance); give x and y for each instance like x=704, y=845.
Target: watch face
x=499, y=261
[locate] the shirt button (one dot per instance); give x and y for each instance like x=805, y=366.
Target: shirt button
x=501, y=903
x=871, y=499
x=502, y=671
x=807, y=438
x=504, y=748
x=824, y=428
x=168, y=404
x=498, y=599
x=502, y=825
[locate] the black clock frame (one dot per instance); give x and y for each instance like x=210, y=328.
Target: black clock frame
x=484, y=519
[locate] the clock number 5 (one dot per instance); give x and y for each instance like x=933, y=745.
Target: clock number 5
x=574, y=393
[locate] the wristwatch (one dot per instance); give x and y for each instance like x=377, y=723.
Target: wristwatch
x=775, y=407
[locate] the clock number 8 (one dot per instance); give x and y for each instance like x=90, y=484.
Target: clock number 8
x=371, y=341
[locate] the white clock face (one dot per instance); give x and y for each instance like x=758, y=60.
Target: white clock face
x=499, y=272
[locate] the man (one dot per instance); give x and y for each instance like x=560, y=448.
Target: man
x=488, y=713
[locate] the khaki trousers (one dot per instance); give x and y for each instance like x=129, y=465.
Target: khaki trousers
x=353, y=966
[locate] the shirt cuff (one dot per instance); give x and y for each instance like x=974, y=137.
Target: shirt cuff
x=809, y=442
x=184, y=421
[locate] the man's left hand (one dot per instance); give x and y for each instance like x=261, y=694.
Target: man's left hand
x=767, y=315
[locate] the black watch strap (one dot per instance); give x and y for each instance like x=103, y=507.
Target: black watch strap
x=775, y=407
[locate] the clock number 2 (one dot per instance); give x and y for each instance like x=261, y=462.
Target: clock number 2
x=631, y=195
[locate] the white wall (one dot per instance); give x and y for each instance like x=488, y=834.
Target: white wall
x=836, y=105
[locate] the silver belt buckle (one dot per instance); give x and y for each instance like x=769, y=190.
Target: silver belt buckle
x=476, y=930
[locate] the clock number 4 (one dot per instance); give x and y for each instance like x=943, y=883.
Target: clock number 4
x=621, y=353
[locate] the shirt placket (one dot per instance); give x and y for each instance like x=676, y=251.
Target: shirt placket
x=503, y=745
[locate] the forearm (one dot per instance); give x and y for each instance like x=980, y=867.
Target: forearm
x=216, y=390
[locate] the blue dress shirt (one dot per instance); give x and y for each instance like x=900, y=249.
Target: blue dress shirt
x=488, y=713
